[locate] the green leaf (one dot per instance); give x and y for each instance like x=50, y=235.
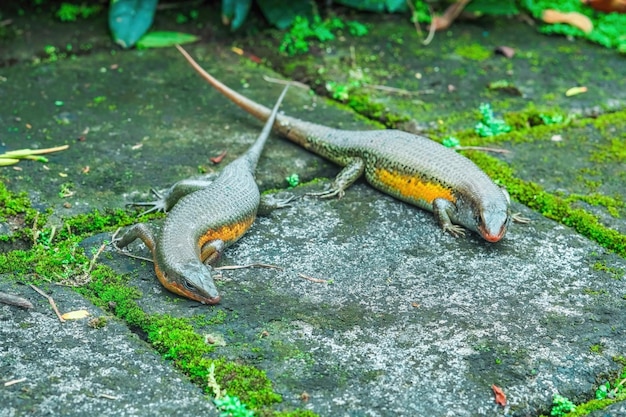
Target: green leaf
x=391, y=6
x=163, y=39
x=282, y=13
x=234, y=12
x=130, y=19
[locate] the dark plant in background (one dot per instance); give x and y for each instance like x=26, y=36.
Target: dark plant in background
x=130, y=20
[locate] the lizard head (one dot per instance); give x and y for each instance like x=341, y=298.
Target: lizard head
x=489, y=217
x=192, y=280
x=494, y=217
x=493, y=223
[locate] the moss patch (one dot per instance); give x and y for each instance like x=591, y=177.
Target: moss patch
x=56, y=256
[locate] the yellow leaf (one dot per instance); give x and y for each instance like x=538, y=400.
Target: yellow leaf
x=75, y=315
x=8, y=161
x=575, y=91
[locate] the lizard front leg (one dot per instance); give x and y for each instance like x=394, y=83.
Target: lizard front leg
x=166, y=200
x=346, y=177
x=442, y=209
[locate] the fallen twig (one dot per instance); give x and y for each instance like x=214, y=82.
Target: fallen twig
x=108, y=397
x=398, y=90
x=431, y=29
x=14, y=381
x=51, y=301
x=15, y=300
x=123, y=252
x=229, y=267
x=312, y=279
x=481, y=148
x=130, y=255
x=285, y=82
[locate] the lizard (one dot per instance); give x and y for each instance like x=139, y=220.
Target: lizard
x=206, y=218
x=409, y=167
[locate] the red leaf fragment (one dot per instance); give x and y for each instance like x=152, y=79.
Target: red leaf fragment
x=607, y=6
x=217, y=159
x=500, y=396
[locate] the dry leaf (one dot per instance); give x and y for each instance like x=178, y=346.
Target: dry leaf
x=500, y=396
x=75, y=315
x=217, y=159
x=575, y=19
x=607, y=6
x=506, y=51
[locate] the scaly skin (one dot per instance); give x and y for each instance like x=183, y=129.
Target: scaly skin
x=409, y=167
x=204, y=222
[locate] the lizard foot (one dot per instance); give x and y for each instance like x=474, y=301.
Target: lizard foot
x=329, y=193
x=155, y=206
x=454, y=230
x=518, y=218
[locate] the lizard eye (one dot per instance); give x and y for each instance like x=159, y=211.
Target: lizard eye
x=188, y=286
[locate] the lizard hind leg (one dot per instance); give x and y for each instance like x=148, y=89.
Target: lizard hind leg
x=346, y=177
x=269, y=203
x=211, y=251
x=160, y=204
x=138, y=231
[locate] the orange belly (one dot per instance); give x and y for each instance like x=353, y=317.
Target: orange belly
x=227, y=233
x=411, y=187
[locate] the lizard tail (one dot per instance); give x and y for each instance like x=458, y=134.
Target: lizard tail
x=257, y=110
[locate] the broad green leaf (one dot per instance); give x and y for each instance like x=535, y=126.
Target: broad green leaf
x=130, y=19
x=162, y=39
x=379, y=6
x=281, y=13
x=234, y=12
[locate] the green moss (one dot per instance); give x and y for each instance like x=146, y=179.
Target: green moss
x=598, y=348
x=592, y=292
x=16, y=209
x=363, y=105
x=58, y=256
x=475, y=52
x=613, y=205
x=177, y=341
x=206, y=320
x=250, y=384
x=12, y=204
x=97, y=222
x=586, y=408
x=614, y=151
x=620, y=359
x=616, y=273
x=43, y=262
